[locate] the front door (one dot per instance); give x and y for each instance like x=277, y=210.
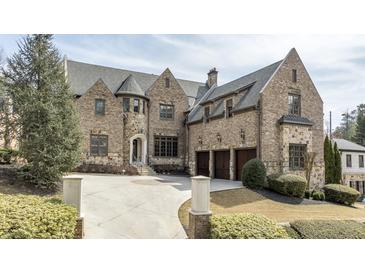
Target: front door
x=221, y=163
x=242, y=157
x=202, y=163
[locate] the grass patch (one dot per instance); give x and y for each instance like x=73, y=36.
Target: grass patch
x=329, y=229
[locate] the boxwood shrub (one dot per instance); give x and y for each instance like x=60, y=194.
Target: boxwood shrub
x=341, y=194
x=318, y=195
x=245, y=226
x=289, y=185
x=329, y=229
x=254, y=174
x=34, y=217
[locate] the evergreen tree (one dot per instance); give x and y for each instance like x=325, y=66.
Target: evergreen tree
x=360, y=125
x=49, y=133
x=328, y=161
x=337, y=165
x=346, y=130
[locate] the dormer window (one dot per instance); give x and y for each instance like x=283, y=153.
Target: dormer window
x=167, y=82
x=294, y=75
x=229, y=107
x=294, y=104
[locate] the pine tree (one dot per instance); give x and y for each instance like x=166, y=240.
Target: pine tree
x=328, y=161
x=337, y=165
x=360, y=125
x=49, y=133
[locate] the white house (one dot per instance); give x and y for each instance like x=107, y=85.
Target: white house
x=353, y=169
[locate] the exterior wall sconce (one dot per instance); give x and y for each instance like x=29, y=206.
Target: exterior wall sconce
x=242, y=135
x=219, y=137
x=200, y=140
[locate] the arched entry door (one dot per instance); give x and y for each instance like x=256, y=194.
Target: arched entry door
x=138, y=149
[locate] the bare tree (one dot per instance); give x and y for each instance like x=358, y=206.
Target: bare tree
x=308, y=165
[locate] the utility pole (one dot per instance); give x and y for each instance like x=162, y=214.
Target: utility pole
x=330, y=125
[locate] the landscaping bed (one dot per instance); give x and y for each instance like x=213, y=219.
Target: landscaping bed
x=277, y=207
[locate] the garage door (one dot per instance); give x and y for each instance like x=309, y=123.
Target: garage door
x=242, y=156
x=202, y=160
x=221, y=160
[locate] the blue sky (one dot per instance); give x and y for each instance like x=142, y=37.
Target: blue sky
x=336, y=63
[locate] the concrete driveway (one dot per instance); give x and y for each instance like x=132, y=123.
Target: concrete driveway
x=137, y=207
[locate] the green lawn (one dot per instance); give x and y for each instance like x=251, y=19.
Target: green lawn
x=274, y=206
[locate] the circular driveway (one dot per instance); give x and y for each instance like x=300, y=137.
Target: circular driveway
x=137, y=207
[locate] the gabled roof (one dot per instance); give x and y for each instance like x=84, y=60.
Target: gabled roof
x=130, y=86
x=252, y=83
x=346, y=145
x=82, y=76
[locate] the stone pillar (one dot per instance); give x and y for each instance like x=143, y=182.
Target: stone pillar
x=211, y=164
x=199, y=214
x=72, y=195
x=231, y=164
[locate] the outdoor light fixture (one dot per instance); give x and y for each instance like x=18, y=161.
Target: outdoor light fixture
x=243, y=136
x=219, y=137
x=200, y=140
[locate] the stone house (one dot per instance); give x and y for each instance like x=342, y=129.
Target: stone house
x=130, y=118
x=352, y=161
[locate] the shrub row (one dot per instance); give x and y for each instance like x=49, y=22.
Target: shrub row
x=318, y=195
x=341, y=194
x=245, y=226
x=34, y=217
x=288, y=184
x=330, y=229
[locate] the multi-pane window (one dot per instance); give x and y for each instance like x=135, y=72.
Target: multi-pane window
x=361, y=160
x=165, y=146
x=136, y=105
x=166, y=112
x=167, y=82
x=294, y=104
x=294, y=75
x=99, y=106
x=99, y=145
x=126, y=104
x=296, y=156
x=348, y=160
x=229, y=107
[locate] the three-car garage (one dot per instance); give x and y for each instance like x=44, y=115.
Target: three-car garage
x=222, y=162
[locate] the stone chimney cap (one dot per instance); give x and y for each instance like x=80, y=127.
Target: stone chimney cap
x=213, y=70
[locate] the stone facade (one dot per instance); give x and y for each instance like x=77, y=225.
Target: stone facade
x=203, y=137
x=274, y=104
x=110, y=124
x=173, y=95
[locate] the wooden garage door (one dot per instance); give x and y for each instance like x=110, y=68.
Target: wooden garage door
x=242, y=156
x=221, y=163
x=202, y=160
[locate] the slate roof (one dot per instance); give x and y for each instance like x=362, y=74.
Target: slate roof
x=346, y=145
x=294, y=119
x=82, y=76
x=254, y=82
x=130, y=86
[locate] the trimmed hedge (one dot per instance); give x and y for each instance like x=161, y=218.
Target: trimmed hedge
x=318, y=195
x=288, y=184
x=254, y=174
x=331, y=229
x=245, y=226
x=341, y=194
x=34, y=217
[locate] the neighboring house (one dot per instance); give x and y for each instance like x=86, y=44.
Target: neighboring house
x=353, y=169
x=130, y=117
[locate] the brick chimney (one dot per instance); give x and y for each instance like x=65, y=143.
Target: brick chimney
x=212, y=77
